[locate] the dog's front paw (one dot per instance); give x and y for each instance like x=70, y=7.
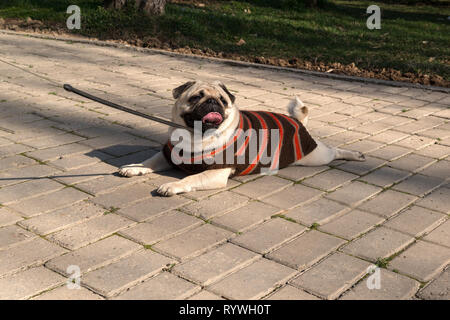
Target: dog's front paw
x=132, y=170
x=172, y=188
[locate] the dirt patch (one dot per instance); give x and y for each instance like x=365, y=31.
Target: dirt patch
x=30, y=25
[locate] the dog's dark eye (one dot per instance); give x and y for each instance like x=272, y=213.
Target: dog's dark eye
x=222, y=99
x=194, y=99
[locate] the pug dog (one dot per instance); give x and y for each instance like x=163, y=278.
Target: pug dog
x=223, y=141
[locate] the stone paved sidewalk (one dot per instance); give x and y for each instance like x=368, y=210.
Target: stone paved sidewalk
x=306, y=233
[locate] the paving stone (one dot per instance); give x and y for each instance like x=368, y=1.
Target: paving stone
x=389, y=136
x=8, y=217
x=352, y=224
x=216, y=264
x=388, y=203
x=152, y=207
x=439, y=289
x=27, y=254
x=419, y=125
x=393, y=286
x=107, y=141
x=415, y=142
x=12, y=149
x=15, y=162
x=354, y=193
x=314, y=246
x=13, y=235
x=416, y=221
x=297, y=173
x=325, y=131
x=291, y=293
x=64, y=293
x=53, y=141
x=320, y=211
x=131, y=146
x=90, y=231
x=194, y=242
x=385, y=176
x=168, y=225
x=412, y=162
x=332, y=276
x=379, y=243
x=48, y=202
x=330, y=180
x=262, y=187
x=364, y=146
x=62, y=218
x=390, y=152
x=443, y=114
x=437, y=200
x=202, y=194
x=246, y=217
x=95, y=255
x=79, y=161
x=349, y=137
x=445, y=142
x=205, y=295
x=125, y=196
x=136, y=157
x=164, y=286
x=28, y=189
x=106, y=183
x=5, y=142
x=123, y=274
x=216, y=205
x=440, y=235
x=435, y=133
x=28, y=283
x=362, y=167
x=293, y=196
x=434, y=151
x=396, y=120
x=57, y=152
x=268, y=236
x=422, y=261
x=244, y=285
x=419, y=184
x=439, y=169
x=373, y=128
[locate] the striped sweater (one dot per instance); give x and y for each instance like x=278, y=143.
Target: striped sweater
x=254, y=148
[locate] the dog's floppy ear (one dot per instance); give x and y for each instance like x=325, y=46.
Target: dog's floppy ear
x=232, y=97
x=178, y=91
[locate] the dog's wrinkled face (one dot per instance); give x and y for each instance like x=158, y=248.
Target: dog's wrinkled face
x=209, y=104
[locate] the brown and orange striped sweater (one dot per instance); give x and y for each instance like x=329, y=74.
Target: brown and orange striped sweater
x=251, y=151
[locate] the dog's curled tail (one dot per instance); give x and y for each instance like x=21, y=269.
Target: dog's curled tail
x=297, y=110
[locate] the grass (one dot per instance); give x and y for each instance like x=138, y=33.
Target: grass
x=413, y=38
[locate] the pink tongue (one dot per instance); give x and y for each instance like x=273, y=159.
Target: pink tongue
x=213, y=117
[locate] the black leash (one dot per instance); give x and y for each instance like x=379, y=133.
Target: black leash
x=68, y=87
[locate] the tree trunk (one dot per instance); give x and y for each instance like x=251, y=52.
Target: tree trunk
x=151, y=7
x=155, y=7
